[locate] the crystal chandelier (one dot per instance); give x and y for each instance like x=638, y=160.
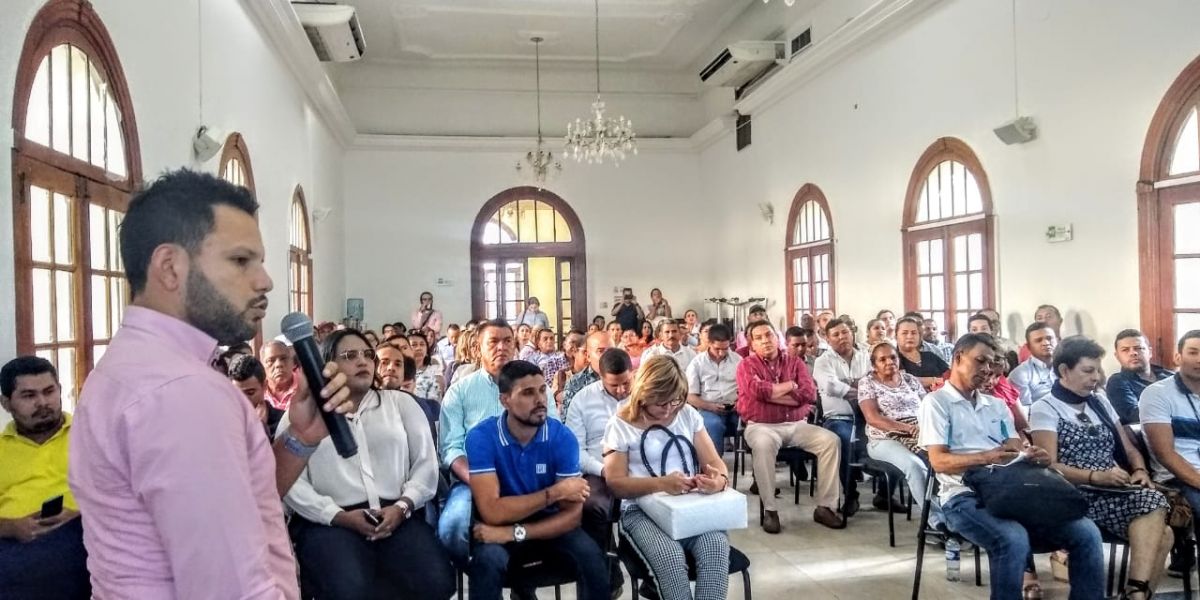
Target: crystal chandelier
x=539, y=164
x=598, y=138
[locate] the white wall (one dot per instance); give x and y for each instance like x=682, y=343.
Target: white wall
x=247, y=88
x=409, y=215
x=1091, y=72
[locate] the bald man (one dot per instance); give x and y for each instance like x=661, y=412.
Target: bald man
x=280, y=363
x=596, y=343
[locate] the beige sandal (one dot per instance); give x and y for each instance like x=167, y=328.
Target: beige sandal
x=1058, y=566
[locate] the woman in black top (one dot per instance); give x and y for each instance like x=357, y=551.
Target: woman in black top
x=922, y=364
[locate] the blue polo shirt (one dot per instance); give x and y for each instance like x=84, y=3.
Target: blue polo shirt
x=551, y=455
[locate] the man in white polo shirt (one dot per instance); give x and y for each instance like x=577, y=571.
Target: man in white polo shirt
x=1170, y=411
x=963, y=428
x=712, y=385
x=669, y=344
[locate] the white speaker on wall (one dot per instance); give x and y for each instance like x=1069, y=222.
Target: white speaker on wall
x=1017, y=131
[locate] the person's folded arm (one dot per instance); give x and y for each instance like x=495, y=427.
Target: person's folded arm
x=495, y=509
x=568, y=518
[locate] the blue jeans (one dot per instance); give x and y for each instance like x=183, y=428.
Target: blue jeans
x=454, y=525
x=1008, y=544
x=573, y=550
x=844, y=428
x=720, y=425
x=52, y=566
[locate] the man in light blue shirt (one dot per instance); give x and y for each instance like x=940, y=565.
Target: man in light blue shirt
x=467, y=403
x=1034, y=377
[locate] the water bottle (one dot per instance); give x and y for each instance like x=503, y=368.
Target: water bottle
x=953, y=553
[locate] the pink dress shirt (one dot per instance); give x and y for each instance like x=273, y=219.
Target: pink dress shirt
x=283, y=398
x=174, y=475
x=434, y=322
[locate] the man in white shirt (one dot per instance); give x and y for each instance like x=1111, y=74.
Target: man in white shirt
x=836, y=373
x=962, y=428
x=1170, y=411
x=669, y=344
x=591, y=409
x=1034, y=377
x=712, y=385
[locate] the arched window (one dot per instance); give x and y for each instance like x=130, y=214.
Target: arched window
x=76, y=162
x=1169, y=216
x=528, y=242
x=300, y=276
x=948, y=237
x=809, y=254
x=235, y=163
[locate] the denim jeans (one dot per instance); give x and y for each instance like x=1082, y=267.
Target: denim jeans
x=454, y=526
x=574, y=549
x=720, y=425
x=844, y=428
x=1008, y=544
x=52, y=566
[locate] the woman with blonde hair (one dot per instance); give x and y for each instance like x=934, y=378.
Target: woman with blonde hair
x=466, y=355
x=644, y=454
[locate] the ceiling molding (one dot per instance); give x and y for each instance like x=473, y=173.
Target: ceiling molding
x=283, y=31
x=859, y=32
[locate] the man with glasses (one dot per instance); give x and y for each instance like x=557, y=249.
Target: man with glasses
x=426, y=318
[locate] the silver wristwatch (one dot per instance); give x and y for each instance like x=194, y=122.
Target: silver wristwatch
x=518, y=533
x=293, y=444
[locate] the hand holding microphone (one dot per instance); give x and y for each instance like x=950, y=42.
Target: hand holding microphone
x=306, y=404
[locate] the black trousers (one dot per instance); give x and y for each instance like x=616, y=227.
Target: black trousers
x=598, y=512
x=341, y=564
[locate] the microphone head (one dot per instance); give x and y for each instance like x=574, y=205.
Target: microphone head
x=296, y=326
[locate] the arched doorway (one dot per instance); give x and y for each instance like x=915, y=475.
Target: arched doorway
x=529, y=242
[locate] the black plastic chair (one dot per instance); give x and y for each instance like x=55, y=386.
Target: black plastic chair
x=534, y=574
x=638, y=571
x=923, y=533
x=859, y=459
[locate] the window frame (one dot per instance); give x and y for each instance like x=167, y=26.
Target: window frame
x=808, y=193
x=1155, y=207
x=913, y=232
x=300, y=261
x=76, y=23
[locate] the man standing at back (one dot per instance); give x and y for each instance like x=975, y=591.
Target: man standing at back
x=178, y=486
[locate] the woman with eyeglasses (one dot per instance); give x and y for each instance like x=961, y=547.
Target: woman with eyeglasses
x=430, y=381
x=1091, y=449
x=656, y=423
x=354, y=522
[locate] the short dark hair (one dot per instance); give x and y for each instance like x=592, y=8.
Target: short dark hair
x=576, y=332
x=22, y=366
x=244, y=366
x=453, y=326
x=661, y=324
x=879, y=315
x=1127, y=333
x=794, y=331
x=749, y=328
x=708, y=323
x=1057, y=313
x=970, y=340
x=756, y=308
x=836, y=322
x=914, y=320
x=718, y=332
x=498, y=323
x=1073, y=349
x=979, y=317
x=914, y=314
x=1191, y=335
x=806, y=332
x=615, y=361
x=514, y=370
x=1035, y=326
x=177, y=208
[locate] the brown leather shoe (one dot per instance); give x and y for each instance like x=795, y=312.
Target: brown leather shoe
x=825, y=516
x=771, y=522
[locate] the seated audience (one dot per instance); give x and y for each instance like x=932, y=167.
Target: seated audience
x=280, y=363
x=1052, y=318
x=998, y=385
x=634, y=345
x=40, y=557
x=659, y=307
x=702, y=346
x=1034, y=377
x=922, y=364
x=627, y=313
x=647, y=336
x=877, y=333
x=1125, y=387
x=549, y=360
x=1170, y=412
x=355, y=524
x=712, y=386
x=801, y=343
x=532, y=315
x=249, y=376
x=528, y=489
x=984, y=434
x=757, y=314
x=445, y=350
x=425, y=317
x=837, y=374
x=595, y=345
x=1084, y=438
x=775, y=396
x=988, y=321
x=575, y=359
x=372, y=337
x=466, y=356
x=614, y=331
x=931, y=340
x=598, y=321
x=690, y=328
x=398, y=372
x=233, y=352
x=889, y=399
x=670, y=344
x=639, y=461
x=525, y=345
x=889, y=323
x=823, y=318
x=429, y=375
x=591, y=410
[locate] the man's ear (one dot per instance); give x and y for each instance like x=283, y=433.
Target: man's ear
x=169, y=265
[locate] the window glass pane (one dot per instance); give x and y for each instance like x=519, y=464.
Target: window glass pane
x=974, y=198
x=65, y=305
x=562, y=233
x=97, y=98
x=564, y=269
x=924, y=301
x=976, y=298
x=43, y=307
x=937, y=261
x=1187, y=228
x=508, y=223
x=960, y=290
x=1187, y=283
x=1186, y=156
x=525, y=219
x=960, y=322
x=64, y=250
x=116, y=144
x=66, y=372
x=39, y=222
x=923, y=258
x=1185, y=322
x=937, y=285
x=946, y=188
x=79, y=104
x=60, y=99
x=923, y=203
x=100, y=311
x=960, y=253
x=114, y=240
x=959, y=189
x=37, y=117
x=98, y=224
x=545, y=222
x=97, y=353
x=118, y=300
x=804, y=270
x=975, y=251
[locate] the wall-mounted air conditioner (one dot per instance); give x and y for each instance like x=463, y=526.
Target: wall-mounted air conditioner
x=741, y=62
x=332, y=29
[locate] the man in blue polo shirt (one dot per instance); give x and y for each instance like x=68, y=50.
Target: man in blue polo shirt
x=1171, y=421
x=529, y=491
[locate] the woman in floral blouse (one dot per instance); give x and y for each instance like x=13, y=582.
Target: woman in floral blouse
x=430, y=381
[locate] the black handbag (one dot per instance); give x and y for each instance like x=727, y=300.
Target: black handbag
x=1035, y=497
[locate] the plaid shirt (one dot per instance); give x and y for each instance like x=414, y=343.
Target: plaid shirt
x=577, y=382
x=756, y=377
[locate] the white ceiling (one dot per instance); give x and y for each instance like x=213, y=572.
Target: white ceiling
x=669, y=34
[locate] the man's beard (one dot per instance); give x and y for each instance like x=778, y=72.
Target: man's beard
x=43, y=425
x=391, y=383
x=533, y=420
x=213, y=314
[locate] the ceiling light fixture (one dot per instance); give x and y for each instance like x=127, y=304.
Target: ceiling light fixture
x=598, y=138
x=539, y=165
x=787, y=2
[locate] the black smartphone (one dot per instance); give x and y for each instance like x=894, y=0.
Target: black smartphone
x=52, y=507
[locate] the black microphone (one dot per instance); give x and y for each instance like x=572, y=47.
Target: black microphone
x=298, y=329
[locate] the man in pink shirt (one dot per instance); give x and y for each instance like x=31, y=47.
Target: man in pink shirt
x=179, y=486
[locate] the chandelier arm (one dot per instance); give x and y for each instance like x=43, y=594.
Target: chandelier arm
x=597, y=4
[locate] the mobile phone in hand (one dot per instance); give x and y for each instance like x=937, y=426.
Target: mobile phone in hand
x=52, y=507
x=373, y=518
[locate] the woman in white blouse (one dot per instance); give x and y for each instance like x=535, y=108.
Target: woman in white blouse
x=360, y=521
x=639, y=460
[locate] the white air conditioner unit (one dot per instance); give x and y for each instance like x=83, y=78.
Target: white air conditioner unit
x=743, y=61
x=332, y=29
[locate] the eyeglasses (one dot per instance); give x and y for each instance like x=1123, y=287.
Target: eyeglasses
x=1086, y=420
x=670, y=403
x=368, y=354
